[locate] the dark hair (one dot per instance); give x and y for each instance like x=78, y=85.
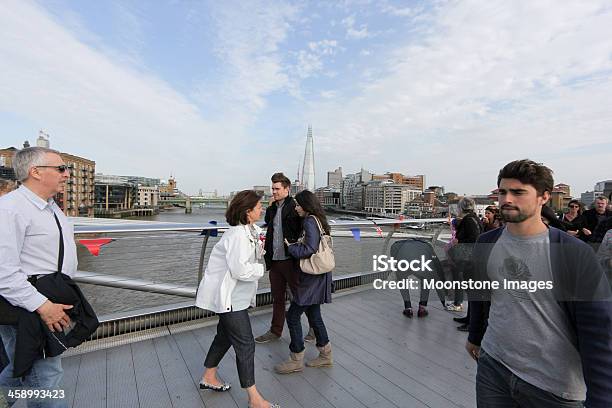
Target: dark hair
x=245, y=200
x=528, y=172
x=281, y=178
x=580, y=205
x=310, y=203
x=492, y=209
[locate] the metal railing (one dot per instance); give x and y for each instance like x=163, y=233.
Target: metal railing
x=143, y=320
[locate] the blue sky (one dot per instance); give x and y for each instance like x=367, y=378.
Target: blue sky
x=220, y=94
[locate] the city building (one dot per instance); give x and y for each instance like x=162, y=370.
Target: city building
x=148, y=196
x=418, y=208
x=605, y=187
x=114, y=193
x=588, y=197
x=168, y=190
x=416, y=182
x=6, y=160
x=387, y=197
x=358, y=197
x=143, y=181
x=438, y=190
x=308, y=169
x=352, y=189
x=77, y=199
x=560, y=197
x=334, y=178
x=328, y=196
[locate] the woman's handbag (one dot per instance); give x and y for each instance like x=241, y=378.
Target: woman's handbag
x=323, y=260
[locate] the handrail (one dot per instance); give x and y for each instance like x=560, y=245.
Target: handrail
x=166, y=226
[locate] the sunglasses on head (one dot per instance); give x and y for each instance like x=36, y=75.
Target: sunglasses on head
x=60, y=169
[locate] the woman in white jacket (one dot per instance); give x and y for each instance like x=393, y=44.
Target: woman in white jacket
x=228, y=288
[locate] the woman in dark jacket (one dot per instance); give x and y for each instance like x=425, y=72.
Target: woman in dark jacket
x=312, y=290
x=572, y=219
x=468, y=230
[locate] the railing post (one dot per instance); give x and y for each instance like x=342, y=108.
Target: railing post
x=202, y=255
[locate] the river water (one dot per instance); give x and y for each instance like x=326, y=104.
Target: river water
x=174, y=257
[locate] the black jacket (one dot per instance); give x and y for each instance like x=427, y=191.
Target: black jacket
x=35, y=340
x=590, y=221
x=292, y=227
x=585, y=297
x=468, y=229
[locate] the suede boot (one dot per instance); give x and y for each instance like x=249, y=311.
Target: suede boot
x=324, y=359
x=293, y=365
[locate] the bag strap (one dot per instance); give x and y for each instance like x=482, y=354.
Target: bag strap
x=60, y=257
x=321, y=231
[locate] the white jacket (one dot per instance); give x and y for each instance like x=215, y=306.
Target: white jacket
x=232, y=259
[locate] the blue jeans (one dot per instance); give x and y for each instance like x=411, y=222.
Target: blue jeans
x=45, y=374
x=498, y=387
x=313, y=312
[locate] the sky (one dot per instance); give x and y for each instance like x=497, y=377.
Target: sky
x=220, y=94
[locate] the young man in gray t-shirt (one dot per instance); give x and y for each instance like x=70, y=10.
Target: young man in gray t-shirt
x=530, y=355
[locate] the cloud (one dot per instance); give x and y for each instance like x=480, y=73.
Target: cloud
x=310, y=62
x=481, y=86
x=247, y=46
x=128, y=121
x=352, y=32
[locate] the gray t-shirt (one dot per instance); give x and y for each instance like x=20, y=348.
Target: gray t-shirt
x=278, y=240
x=528, y=332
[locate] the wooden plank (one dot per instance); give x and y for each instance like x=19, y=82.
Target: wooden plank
x=193, y=355
x=226, y=370
x=121, y=379
x=382, y=386
x=152, y=390
x=91, y=381
x=418, y=335
x=448, y=342
x=412, y=365
x=183, y=393
x=312, y=388
x=266, y=383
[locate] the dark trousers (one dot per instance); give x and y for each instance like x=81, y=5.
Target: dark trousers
x=313, y=313
x=424, y=293
x=497, y=387
x=234, y=329
x=282, y=273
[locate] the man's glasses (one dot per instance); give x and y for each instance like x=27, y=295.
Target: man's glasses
x=60, y=169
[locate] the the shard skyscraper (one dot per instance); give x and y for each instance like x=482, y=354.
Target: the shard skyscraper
x=308, y=169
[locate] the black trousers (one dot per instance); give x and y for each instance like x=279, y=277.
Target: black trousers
x=234, y=329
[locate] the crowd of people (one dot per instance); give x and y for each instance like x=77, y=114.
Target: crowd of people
x=547, y=349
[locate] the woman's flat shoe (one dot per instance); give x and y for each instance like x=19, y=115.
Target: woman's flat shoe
x=271, y=405
x=219, y=388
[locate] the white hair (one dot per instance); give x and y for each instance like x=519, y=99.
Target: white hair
x=27, y=158
x=466, y=204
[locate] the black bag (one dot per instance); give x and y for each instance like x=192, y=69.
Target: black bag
x=8, y=312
